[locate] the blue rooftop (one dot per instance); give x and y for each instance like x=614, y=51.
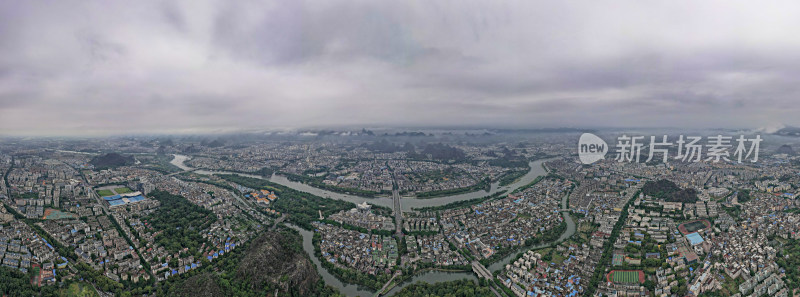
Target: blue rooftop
x=694, y=238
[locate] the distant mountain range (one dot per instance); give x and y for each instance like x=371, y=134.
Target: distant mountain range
x=785, y=149
x=788, y=131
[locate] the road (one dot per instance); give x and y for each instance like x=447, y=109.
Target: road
x=398, y=213
x=278, y=221
x=386, y=285
x=482, y=272
x=100, y=201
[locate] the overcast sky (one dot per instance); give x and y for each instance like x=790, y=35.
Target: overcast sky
x=97, y=67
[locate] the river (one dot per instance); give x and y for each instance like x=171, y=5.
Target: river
x=408, y=203
x=346, y=289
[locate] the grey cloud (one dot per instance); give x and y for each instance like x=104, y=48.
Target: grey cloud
x=172, y=15
x=207, y=65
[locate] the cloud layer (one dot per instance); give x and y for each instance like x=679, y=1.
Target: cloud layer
x=95, y=67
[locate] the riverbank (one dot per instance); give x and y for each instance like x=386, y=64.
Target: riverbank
x=406, y=280
x=317, y=183
x=408, y=204
x=484, y=185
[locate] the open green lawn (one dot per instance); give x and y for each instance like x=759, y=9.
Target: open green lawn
x=524, y=216
x=558, y=258
x=78, y=290
x=104, y=193
x=730, y=286
x=122, y=190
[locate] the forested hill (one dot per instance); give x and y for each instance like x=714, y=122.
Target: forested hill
x=669, y=191
x=111, y=160
x=273, y=264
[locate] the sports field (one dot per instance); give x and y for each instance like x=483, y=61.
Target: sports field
x=122, y=190
x=104, y=193
x=626, y=276
x=617, y=259
x=691, y=227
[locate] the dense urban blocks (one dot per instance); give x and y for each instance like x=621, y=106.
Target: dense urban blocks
x=161, y=233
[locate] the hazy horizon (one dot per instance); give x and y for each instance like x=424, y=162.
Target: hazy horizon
x=75, y=68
